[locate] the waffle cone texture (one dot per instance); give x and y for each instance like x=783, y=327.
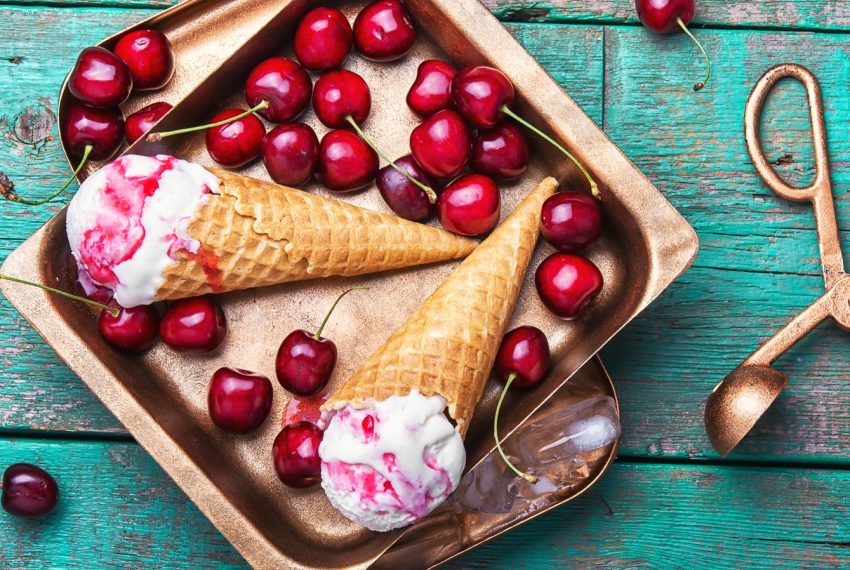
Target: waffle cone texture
x=448, y=346
x=256, y=233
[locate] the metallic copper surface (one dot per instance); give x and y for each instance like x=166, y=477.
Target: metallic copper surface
x=160, y=397
x=736, y=404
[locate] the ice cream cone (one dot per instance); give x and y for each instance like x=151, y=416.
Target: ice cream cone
x=256, y=233
x=448, y=346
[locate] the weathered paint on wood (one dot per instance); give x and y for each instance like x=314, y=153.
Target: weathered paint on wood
x=119, y=510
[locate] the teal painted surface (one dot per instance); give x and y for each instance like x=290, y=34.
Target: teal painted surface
x=757, y=268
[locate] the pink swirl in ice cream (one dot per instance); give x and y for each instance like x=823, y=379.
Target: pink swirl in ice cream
x=129, y=217
x=390, y=464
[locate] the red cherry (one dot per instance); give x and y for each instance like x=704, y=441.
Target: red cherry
x=479, y=94
x=523, y=354
x=235, y=144
x=501, y=152
x=149, y=57
x=295, y=453
x=340, y=94
x=571, y=221
x=28, y=491
x=383, y=31
x=304, y=363
x=441, y=144
x=102, y=129
x=432, y=89
x=239, y=400
x=322, y=39
x=470, y=205
x=346, y=162
x=291, y=153
x=144, y=119
x=196, y=324
x=567, y=283
x=401, y=195
x=135, y=329
x=284, y=84
x=100, y=79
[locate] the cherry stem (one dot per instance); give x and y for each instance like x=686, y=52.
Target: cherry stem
x=10, y=195
x=685, y=29
x=154, y=137
x=432, y=196
x=112, y=310
x=594, y=189
x=530, y=478
x=318, y=335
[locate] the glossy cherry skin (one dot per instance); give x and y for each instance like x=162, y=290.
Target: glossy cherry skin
x=144, y=119
x=432, y=89
x=322, y=39
x=405, y=198
x=383, y=31
x=28, y=491
x=103, y=129
x=284, y=84
x=239, y=400
x=196, y=324
x=525, y=353
x=304, y=363
x=339, y=94
x=149, y=57
x=235, y=144
x=346, y=163
x=295, y=453
x=501, y=152
x=100, y=79
x=291, y=153
x=660, y=15
x=567, y=283
x=470, y=205
x=441, y=144
x=571, y=221
x=133, y=329
x=479, y=93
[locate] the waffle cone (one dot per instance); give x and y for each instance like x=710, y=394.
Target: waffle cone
x=448, y=346
x=255, y=233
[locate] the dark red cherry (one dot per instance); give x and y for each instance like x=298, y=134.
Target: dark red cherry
x=28, y=491
x=102, y=129
x=295, y=453
x=239, y=400
x=149, y=57
x=383, y=31
x=133, y=329
x=304, y=363
x=567, y=283
x=432, y=89
x=339, y=94
x=524, y=353
x=470, y=205
x=479, y=93
x=322, y=39
x=144, y=119
x=284, y=84
x=291, y=153
x=660, y=15
x=571, y=221
x=235, y=144
x=441, y=144
x=196, y=324
x=346, y=162
x=500, y=152
x=401, y=195
x=100, y=79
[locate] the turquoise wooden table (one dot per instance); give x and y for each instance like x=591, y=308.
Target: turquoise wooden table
x=781, y=499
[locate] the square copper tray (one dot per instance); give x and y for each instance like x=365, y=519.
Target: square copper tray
x=161, y=396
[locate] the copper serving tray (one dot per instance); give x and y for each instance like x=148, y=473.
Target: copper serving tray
x=161, y=397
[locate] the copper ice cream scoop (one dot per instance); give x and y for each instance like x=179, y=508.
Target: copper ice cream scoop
x=736, y=404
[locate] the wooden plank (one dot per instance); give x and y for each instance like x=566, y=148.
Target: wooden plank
x=120, y=509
